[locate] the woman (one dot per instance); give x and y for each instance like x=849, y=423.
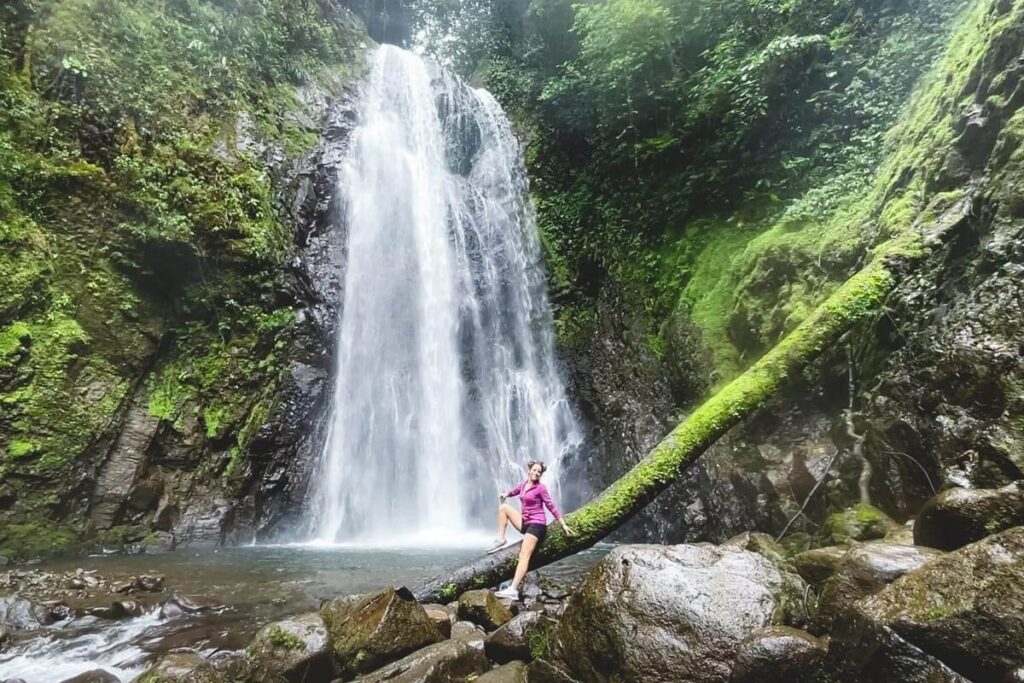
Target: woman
x=531, y=523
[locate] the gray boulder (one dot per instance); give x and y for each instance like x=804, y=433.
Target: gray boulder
x=778, y=654
x=864, y=570
x=469, y=633
x=513, y=672
x=482, y=608
x=965, y=608
x=449, y=661
x=958, y=516
x=522, y=638
x=671, y=613
x=294, y=650
x=368, y=631
x=180, y=667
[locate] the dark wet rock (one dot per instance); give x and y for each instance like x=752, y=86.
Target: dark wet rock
x=449, y=661
x=94, y=676
x=964, y=608
x=184, y=604
x=149, y=583
x=864, y=570
x=233, y=666
x=760, y=543
x=513, y=672
x=482, y=608
x=959, y=516
x=119, y=609
x=19, y=614
x=778, y=654
x=818, y=564
x=543, y=671
x=469, y=633
x=180, y=667
x=520, y=638
x=862, y=522
x=368, y=631
x=672, y=613
x=294, y=649
x=441, y=617
x=860, y=649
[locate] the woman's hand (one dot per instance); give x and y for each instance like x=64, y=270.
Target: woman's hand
x=501, y=498
x=566, y=529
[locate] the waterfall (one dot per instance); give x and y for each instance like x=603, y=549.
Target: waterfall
x=446, y=381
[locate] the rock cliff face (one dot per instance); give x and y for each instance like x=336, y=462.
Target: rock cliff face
x=927, y=396
x=166, y=335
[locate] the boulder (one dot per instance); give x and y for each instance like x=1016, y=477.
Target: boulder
x=522, y=638
x=671, y=613
x=513, y=672
x=294, y=650
x=965, y=608
x=180, y=667
x=543, y=671
x=21, y=614
x=368, y=631
x=862, y=522
x=760, y=543
x=816, y=565
x=441, y=617
x=93, y=676
x=469, y=633
x=864, y=570
x=185, y=604
x=449, y=661
x=958, y=516
x=778, y=654
x=483, y=609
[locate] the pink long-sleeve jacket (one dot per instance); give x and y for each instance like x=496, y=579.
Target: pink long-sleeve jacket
x=534, y=500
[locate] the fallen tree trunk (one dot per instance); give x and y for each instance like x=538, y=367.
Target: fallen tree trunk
x=859, y=297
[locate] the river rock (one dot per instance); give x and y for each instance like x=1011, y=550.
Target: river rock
x=94, y=676
x=959, y=516
x=760, y=543
x=864, y=570
x=441, y=617
x=294, y=649
x=449, y=661
x=469, y=633
x=368, y=631
x=184, y=604
x=818, y=564
x=180, y=667
x=862, y=522
x=482, y=608
x=965, y=607
x=543, y=671
x=513, y=672
x=20, y=614
x=671, y=613
x=519, y=638
x=778, y=654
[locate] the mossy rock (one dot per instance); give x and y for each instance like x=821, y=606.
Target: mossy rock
x=482, y=608
x=183, y=667
x=294, y=649
x=368, y=631
x=449, y=661
x=958, y=516
x=964, y=607
x=818, y=564
x=862, y=522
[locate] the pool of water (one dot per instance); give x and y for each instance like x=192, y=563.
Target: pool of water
x=255, y=585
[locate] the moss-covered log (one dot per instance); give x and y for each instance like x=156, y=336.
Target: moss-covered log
x=862, y=296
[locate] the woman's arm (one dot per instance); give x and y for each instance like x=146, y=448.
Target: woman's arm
x=550, y=504
x=514, y=492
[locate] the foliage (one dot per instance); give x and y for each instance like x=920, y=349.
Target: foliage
x=139, y=225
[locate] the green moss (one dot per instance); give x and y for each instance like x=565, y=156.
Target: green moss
x=284, y=639
x=862, y=522
x=35, y=539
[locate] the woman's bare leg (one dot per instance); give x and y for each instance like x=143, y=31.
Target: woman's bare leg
x=529, y=545
x=506, y=514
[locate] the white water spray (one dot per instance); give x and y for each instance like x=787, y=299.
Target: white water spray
x=446, y=376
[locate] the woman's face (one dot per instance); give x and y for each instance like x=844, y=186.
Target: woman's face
x=535, y=472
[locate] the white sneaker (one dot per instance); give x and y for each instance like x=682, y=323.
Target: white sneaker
x=509, y=593
x=497, y=545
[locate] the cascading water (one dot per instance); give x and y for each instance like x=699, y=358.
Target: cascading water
x=446, y=375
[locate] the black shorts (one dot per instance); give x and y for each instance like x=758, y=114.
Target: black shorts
x=537, y=530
